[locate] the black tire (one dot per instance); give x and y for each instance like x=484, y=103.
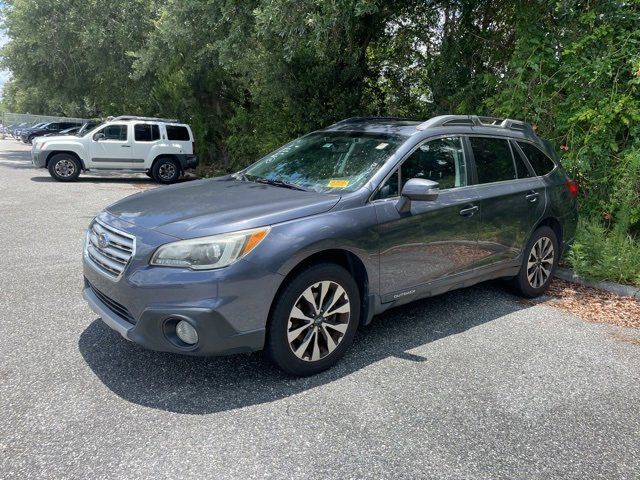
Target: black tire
x=166, y=170
x=64, y=167
x=532, y=279
x=30, y=139
x=149, y=174
x=277, y=345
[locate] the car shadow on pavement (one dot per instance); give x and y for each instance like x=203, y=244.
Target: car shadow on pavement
x=202, y=385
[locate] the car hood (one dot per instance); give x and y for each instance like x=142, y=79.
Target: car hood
x=31, y=130
x=218, y=205
x=51, y=137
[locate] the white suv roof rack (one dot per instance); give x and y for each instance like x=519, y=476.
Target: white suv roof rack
x=124, y=118
x=476, y=121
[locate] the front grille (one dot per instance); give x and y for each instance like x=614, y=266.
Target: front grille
x=109, y=249
x=112, y=305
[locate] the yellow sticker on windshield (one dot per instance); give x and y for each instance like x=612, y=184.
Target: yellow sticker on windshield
x=338, y=183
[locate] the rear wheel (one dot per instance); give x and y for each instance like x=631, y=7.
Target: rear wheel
x=538, y=264
x=314, y=320
x=64, y=167
x=166, y=170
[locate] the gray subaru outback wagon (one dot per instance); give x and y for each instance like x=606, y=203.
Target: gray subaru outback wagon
x=291, y=254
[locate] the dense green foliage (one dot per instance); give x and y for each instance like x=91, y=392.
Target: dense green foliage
x=252, y=74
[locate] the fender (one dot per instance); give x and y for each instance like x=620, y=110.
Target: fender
x=351, y=230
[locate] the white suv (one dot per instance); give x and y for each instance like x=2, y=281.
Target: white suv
x=161, y=148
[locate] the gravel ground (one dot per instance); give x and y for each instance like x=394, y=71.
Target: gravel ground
x=472, y=384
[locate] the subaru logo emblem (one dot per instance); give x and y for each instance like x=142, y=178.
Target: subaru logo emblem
x=103, y=240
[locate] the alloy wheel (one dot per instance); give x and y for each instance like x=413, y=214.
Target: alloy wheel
x=167, y=171
x=540, y=262
x=65, y=168
x=318, y=321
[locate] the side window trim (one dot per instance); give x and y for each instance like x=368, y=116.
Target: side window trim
x=515, y=163
x=518, y=151
x=397, y=169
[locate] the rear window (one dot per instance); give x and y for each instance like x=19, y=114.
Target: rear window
x=540, y=162
x=177, y=133
x=494, y=161
x=144, y=132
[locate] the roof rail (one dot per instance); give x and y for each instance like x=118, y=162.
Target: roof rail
x=123, y=118
x=476, y=121
x=364, y=119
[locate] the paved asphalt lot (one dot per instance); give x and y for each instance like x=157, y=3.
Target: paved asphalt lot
x=473, y=384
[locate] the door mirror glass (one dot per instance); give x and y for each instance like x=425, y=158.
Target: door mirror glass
x=98, y=136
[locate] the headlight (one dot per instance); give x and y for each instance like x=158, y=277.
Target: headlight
x=204, y=253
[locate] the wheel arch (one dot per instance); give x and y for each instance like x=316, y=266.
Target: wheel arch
x=166, y=155
x=555, y=225
x=69, y=152
x=344, y=258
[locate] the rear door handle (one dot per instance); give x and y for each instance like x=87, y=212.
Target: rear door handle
x=469, y=211
x=532, y=196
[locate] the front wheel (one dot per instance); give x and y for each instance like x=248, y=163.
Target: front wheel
x=64, y=167
x=538, y=264
x=314, y=320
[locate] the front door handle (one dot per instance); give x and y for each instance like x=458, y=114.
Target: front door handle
x=532, y=196
x=126, y=146
x=469, y=211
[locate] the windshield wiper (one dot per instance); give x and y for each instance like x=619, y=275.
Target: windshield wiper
x=277, y=183
x=268, y=181
x=240, y=176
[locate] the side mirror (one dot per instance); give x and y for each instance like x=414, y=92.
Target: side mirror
x=419, y=190
x=98, y=136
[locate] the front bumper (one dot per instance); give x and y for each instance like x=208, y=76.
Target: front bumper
x=39, y=159
x=228, y=307
x=154, y=329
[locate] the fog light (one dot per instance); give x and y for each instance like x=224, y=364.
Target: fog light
x=186, y=332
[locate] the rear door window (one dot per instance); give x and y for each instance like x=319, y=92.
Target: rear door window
x=145, y=132
x=521, y=166
x=175, y=132
x=494, y=161
x=540, y=162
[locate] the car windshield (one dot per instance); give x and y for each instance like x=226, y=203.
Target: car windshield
x=325, y=161
x=88, y=128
